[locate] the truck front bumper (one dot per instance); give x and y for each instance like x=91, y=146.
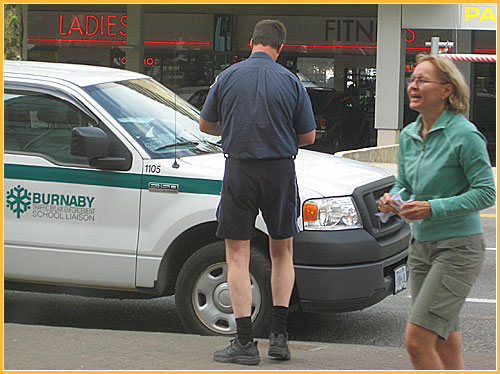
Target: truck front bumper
x=340, y=286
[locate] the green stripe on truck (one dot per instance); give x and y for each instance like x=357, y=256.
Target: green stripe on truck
x=108, y=178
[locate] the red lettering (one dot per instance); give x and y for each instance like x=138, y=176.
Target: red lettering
x=61, y=25
x=412, y=38
x=122, y=21
x=78, y=27
x=147, y=61
x=105, y=25
x=87, y=26
x=111, y=24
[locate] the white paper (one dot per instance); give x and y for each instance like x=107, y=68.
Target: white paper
x=398, y=201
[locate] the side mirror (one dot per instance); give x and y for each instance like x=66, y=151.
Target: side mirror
x=92, y=142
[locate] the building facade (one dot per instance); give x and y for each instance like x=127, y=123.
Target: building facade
x=343, y=48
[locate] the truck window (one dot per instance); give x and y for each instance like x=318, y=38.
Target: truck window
x=41, y=124
x=162, y=123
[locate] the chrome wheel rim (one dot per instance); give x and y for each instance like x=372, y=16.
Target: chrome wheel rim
x=211, y=301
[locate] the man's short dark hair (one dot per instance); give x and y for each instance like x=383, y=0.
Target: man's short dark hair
x=269, y=32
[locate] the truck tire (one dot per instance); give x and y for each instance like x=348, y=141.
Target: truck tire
x=202, y=297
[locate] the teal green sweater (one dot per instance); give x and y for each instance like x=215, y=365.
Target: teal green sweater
x=451, y=170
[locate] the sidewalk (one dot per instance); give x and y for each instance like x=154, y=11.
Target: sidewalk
x=32, y=347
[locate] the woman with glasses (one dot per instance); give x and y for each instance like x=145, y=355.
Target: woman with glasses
x=444, y=169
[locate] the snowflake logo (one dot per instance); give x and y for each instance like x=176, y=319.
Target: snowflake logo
x=18, y=200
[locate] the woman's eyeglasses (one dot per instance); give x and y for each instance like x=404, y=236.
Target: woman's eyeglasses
x=420, y=82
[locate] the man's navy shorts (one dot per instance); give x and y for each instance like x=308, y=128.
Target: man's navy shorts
x=268, y=185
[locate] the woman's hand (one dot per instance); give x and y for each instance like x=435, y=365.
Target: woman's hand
x=384, y=206
x=416, y=210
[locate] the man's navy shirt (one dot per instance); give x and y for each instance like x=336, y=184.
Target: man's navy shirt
x=261, y=106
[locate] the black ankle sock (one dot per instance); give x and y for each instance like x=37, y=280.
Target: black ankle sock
x=279, y=320
x=244, y=330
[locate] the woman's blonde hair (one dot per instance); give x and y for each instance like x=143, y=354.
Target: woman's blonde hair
x=458, y=101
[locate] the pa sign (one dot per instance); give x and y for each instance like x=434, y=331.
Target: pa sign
x=478, y=16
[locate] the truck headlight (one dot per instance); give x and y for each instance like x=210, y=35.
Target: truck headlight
x=334, y=213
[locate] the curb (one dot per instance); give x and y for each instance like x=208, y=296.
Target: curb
x=381, y=154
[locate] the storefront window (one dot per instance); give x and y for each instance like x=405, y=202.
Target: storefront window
x=319, y=71
x=221, y=62
x=152, y=66
x=186, y=73
x=222, y=35
x=483, y=108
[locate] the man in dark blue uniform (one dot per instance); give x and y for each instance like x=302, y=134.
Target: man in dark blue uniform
x=263, y=113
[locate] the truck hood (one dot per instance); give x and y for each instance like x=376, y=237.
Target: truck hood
x=317, y=173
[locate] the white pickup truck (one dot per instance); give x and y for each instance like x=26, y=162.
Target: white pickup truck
x=111, y=190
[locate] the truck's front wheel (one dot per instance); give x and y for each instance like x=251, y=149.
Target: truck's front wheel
x=202, y=296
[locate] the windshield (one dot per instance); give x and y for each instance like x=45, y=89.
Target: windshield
x=164, y=124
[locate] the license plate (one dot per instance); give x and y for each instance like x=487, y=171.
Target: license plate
x=400, y=278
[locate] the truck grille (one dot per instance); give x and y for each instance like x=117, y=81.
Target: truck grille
x=366, y=198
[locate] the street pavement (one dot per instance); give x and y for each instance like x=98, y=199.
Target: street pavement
x=34, y=347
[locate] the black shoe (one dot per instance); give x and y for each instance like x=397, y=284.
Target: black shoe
x=278, y=347
x=236, y=353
